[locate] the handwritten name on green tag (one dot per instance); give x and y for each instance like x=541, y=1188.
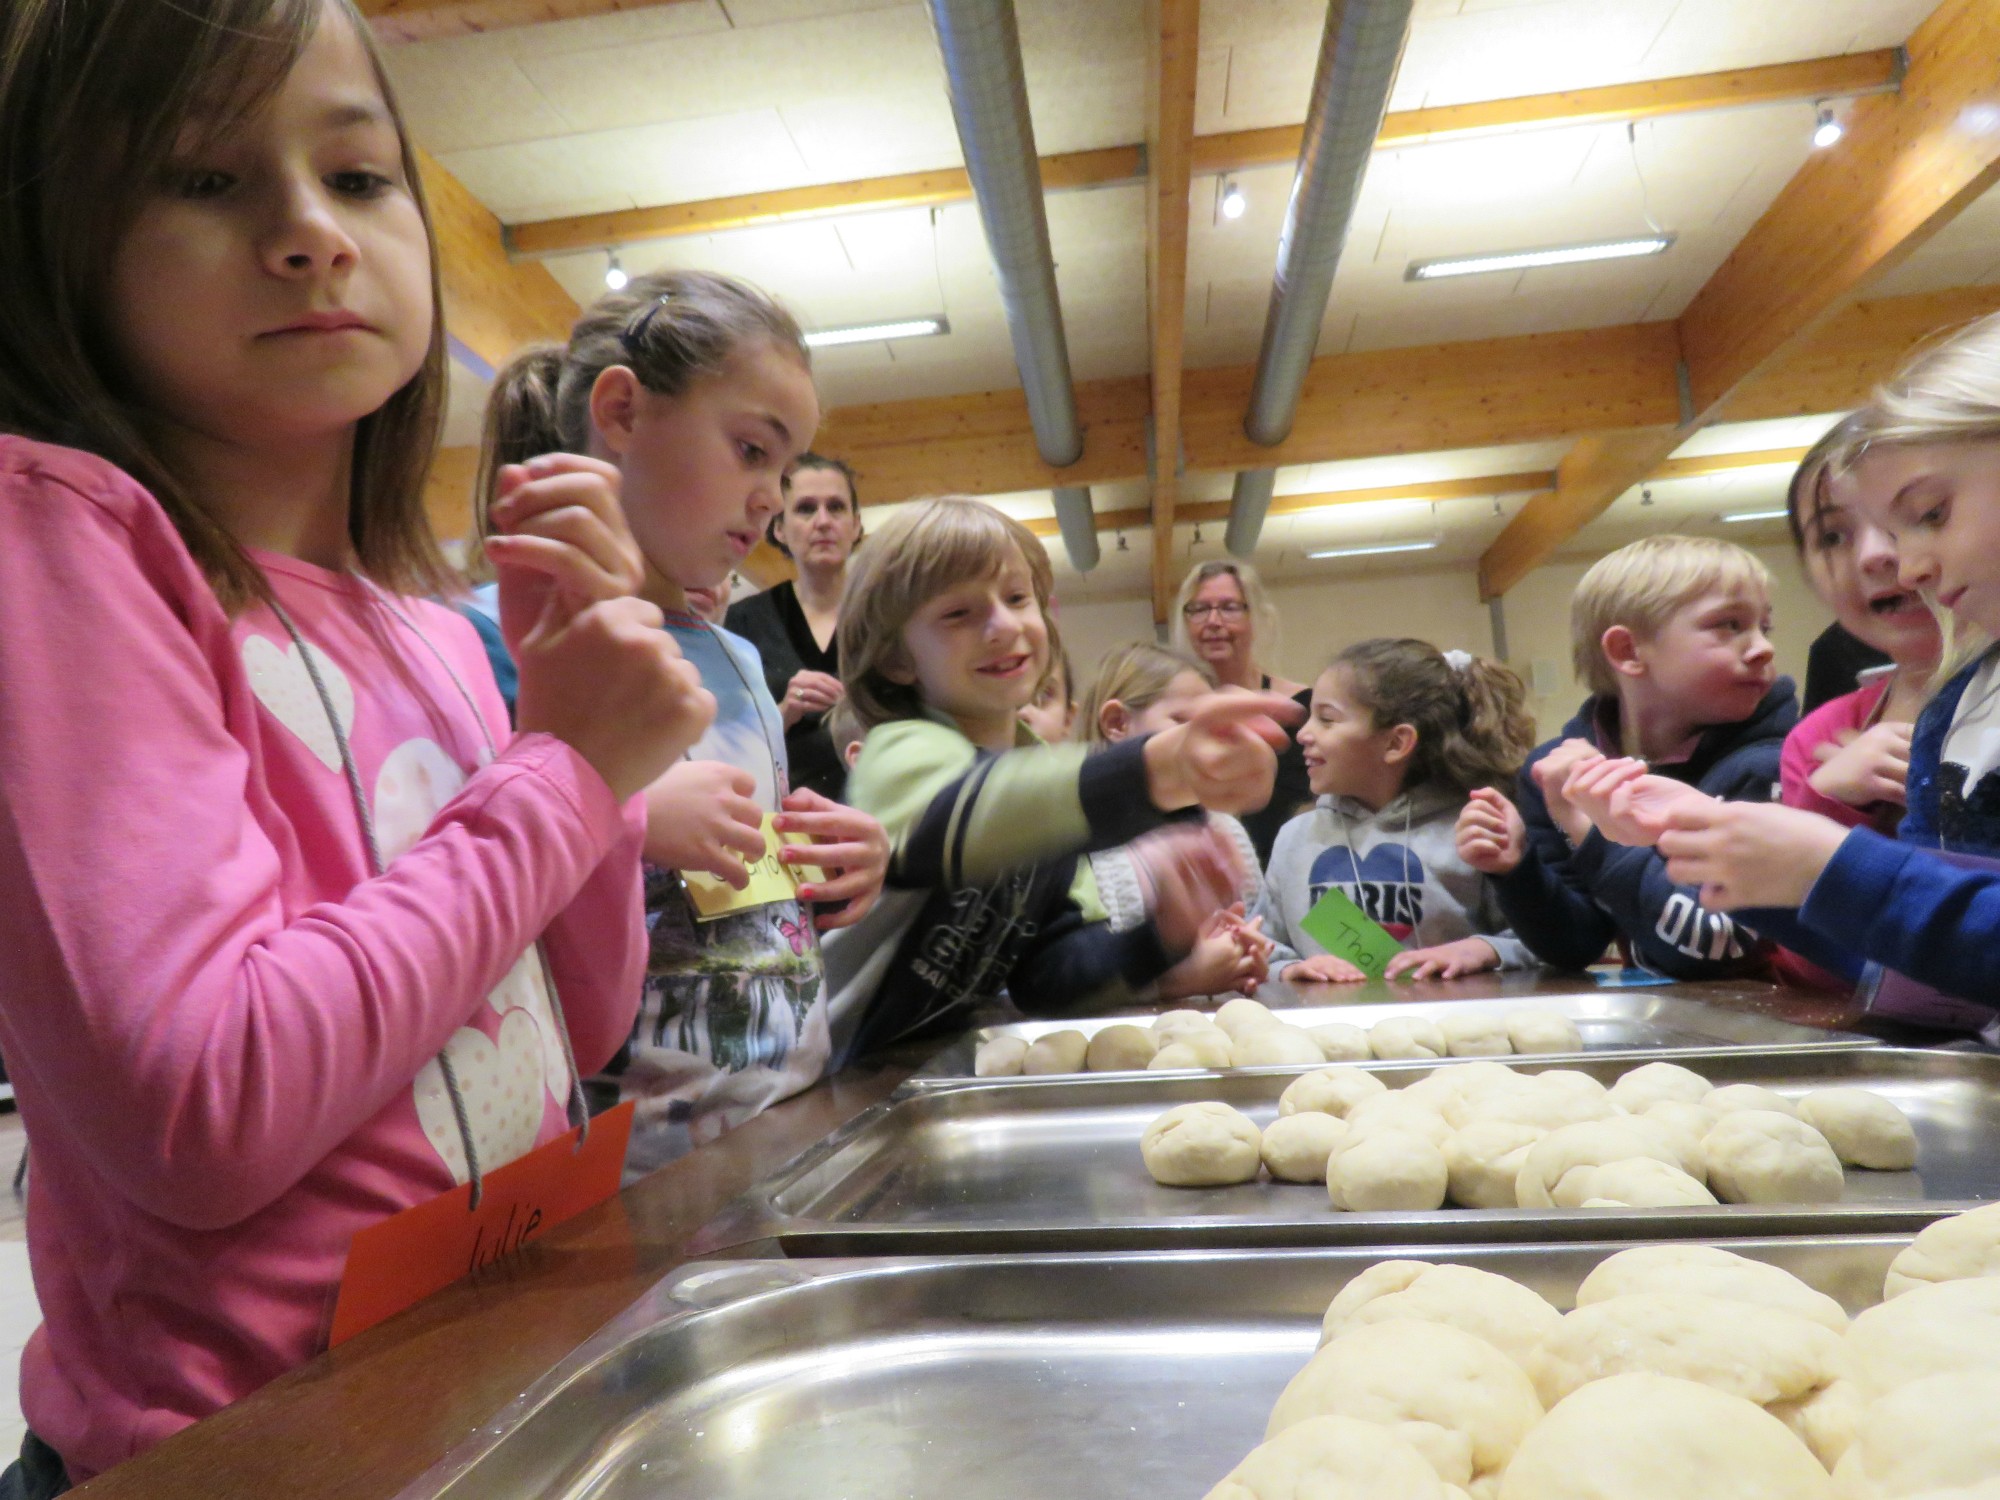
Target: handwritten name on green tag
x=1344, y=930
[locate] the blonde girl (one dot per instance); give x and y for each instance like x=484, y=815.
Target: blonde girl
x=283, y=893
x=945, y=636
x=695, y=391
x=1400, y=736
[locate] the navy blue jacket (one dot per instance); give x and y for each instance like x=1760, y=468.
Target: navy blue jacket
x=1569, y=905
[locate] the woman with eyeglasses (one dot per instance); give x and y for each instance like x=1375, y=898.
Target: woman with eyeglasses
x=1223, y=609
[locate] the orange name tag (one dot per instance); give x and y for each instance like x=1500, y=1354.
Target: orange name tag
x=402, y=1260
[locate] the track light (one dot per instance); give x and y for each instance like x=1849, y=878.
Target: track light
x=1232, y=203
x=614, y=274
x=1828, y=129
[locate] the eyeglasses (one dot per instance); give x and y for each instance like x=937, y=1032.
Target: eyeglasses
x=1228, y=609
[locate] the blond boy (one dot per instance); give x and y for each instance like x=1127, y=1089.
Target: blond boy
x=1672, y=636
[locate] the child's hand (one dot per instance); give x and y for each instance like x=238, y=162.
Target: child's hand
x=1627, y=804
x=611, y=684
x=702, y=815
x=1748, y=853
x=1491, y=836
x=1866, y=768
x=1469, y=955
x=809, y=693
x=849, y=848
x=1225, y=757
x=559, y=531
x=1189, y=872
x=1552, y=771
x=1221, y=963
x=1323, y=968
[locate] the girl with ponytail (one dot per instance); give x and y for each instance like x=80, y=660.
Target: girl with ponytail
x=1399, y=736
x=690, y=393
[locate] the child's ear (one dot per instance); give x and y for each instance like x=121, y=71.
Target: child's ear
x=897, y=667
x=1621, y=648
x=1401, y=744
x=1113, y=722
x=614, y=407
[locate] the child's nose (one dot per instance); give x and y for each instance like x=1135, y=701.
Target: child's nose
x=306, y=233
x=1914, y=569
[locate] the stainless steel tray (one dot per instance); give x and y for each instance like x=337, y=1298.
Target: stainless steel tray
x=1610, y=1020
x=969, y=1378
x=1040, y=1165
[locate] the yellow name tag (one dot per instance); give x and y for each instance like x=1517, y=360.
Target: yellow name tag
x=771, y=879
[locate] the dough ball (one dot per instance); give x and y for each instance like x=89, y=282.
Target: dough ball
x=1954, y=1249
x=1385, y=1171
x=1537, y=1029
x=1759, y=1353
x=1651, y=1437
x=1547, y=1106
x=1397, y=1110
x=1201, y=1145
x=1120, y=1049
x=1435, y=1091
x=1596, y=1143
x=1476, y=1034
x=1740, y=1096
x=999, y=1057
x=1864, y=1129
x=1644, y=1086
x=1825, y=1420
x=1483, y=1161
x=1329, y=1091
x=1170, y=1024
x=1709, y=1272
x=1638, y=1183
x=1296, y=1146
x=1275, y=1046
x=1406, y=1037
x=1760, y=1156
x=1202, y=1047
x=1458, y=1400
x=1341, y=1042
x=1332, y=1458
x=1242, y=1015
x=1572, y=1081
x=1682, y=1126
x=1506, y=1314
x=1174, y=1055
x=1952, y=1327
x=1934, y=1436
x=1058, y=1052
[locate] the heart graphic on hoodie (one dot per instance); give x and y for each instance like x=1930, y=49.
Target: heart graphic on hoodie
x=1387, y=884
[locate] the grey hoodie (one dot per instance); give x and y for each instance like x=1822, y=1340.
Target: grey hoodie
x=1399, y=864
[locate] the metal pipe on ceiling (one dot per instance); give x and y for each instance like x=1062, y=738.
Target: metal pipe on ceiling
x=1360, y=50
x=981, y=49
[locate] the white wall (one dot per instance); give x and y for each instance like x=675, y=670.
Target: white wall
x=1442, y=606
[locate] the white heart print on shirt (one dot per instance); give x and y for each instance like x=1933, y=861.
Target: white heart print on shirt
x=501, y=1084
x=524, y=988
x=279, y=678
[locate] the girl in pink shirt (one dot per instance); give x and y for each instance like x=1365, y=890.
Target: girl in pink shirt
x=298, y=933
x=1849, y=758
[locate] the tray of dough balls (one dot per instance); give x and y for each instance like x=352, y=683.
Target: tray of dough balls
x=1744, y=1141
x=1245, y=1033
x=1728, y=1370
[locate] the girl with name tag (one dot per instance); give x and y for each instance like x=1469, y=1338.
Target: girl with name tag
x=299, y=935
x=696, y=392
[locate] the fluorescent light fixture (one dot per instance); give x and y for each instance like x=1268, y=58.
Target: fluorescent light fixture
x=873, y=333
x=1522, y=260
x=1757, y=515
x=1373, y=551
x=1826, y=130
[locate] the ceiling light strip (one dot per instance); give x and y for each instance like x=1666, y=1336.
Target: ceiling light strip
x=1374, y=551
x=1524, y=260
x=872, y=333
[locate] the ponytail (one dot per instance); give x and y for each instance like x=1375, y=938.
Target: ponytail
x=520, y=421
x=1470, y=714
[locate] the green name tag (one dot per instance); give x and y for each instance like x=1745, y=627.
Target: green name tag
x=1344, y=930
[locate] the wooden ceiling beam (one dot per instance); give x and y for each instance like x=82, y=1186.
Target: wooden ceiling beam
x=1232, y=151
x=430, y=20
x=1174, y=39
x=1906, y=166
x=492, y=305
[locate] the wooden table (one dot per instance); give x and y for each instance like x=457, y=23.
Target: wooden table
x=362, y=1422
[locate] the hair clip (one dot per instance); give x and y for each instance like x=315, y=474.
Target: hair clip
x=633, y=338
x=1458, y=661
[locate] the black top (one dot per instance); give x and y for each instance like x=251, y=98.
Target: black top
x=1291, y=793
x=773, y=622
x=1833, y=663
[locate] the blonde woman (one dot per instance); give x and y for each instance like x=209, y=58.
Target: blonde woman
x=1222, y=613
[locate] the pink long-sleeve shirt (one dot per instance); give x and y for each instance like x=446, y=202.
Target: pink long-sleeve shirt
x=221, y=1028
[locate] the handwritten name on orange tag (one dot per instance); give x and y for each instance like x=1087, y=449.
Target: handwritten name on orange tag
x=402, y=1260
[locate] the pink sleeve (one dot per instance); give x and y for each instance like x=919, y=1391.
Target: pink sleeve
x=207, y=1046
x=596, y=946
x=1796, y=762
